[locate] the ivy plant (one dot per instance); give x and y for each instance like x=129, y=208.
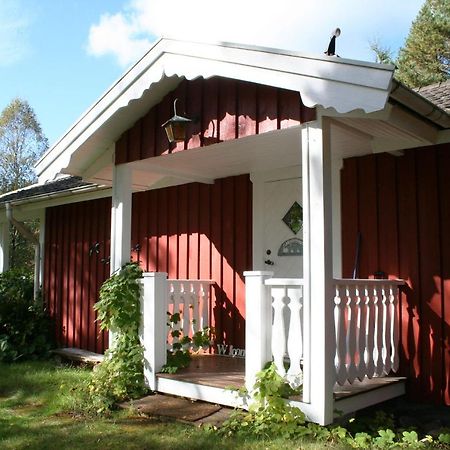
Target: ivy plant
x=271, y=416
x=268, y=414
x=179, y=356
x=121, y=374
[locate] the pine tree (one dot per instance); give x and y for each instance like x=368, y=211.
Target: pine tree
x=383, y=55
x=425, y=57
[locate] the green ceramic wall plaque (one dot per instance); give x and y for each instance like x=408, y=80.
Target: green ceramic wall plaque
x=291, y=247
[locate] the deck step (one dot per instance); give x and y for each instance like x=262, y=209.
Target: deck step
x=80, y=355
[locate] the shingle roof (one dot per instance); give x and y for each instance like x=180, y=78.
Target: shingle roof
x=438, y=93
x=51, y=187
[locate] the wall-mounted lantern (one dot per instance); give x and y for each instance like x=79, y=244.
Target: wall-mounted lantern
x=176, y=126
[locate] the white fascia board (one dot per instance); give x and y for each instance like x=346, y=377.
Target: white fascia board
x=344, y=85
x=30, y=208
x=419, y=104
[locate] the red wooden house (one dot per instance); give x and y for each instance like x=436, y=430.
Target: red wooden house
x=295, y=171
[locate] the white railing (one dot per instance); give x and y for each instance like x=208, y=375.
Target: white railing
x=287, y=327
x=366, y=328
x=191, y=300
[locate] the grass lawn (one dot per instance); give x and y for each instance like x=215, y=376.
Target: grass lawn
x=35, y=413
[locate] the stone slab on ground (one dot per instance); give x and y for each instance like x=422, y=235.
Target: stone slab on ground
x=176, y=407
x=79, y=355
x=216, y=419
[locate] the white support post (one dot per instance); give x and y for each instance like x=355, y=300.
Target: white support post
x=258, y=324
x=258, y=221
x=120, y=223
x=337, y=163
x=4, y=247
x=318, y=261
x=42, y=247
x=153, y=326
x=121, y=217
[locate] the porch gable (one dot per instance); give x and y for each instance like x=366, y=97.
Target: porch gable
x=222, y=109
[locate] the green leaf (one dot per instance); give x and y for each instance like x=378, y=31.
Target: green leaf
x=410, y=437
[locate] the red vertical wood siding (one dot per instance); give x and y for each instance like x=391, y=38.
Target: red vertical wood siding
x=224, y=109
x=72, y=277
x=202, y=231
x=191, y=231
x=401, y=206
x=444, y=190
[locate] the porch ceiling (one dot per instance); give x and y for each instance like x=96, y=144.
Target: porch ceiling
x=392, y=130
x=273, y=150
x=350, y=136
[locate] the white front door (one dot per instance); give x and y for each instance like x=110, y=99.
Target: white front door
x=283, y=242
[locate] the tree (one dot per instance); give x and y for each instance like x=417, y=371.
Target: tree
x=22, y=142
x=383, y=55
x=425, y=57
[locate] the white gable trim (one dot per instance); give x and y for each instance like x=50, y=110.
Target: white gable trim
x=341, y=84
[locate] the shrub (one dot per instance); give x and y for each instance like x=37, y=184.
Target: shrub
x=121, y=374
x=270, y=416
x=25, y=326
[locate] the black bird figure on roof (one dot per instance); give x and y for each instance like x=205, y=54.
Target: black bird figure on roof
x=331, y=51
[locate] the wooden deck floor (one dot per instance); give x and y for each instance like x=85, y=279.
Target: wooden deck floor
x=226, y=372
x=212, y=370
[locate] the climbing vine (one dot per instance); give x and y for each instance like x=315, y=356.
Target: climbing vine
x=121, y=374
x=179, y=356
x=271, y=416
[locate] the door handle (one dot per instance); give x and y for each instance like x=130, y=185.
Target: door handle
x=269, y=262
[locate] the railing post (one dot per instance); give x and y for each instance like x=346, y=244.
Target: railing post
x=153, y=326
x=258, y=324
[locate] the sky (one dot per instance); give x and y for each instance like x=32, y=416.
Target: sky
x=62, y=55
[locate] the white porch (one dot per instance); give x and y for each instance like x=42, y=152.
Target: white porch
x=336, y=337
x=363, y=338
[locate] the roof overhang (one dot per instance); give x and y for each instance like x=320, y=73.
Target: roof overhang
x=332, y=83
x=418, y=104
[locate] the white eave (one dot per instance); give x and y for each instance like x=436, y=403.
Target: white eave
x=330, y=82
x=412, y=100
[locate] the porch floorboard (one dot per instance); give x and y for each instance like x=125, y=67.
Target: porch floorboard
x=212, y=370
x=225, y=372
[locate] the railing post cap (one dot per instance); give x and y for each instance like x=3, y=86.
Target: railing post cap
x=258, y=273
x=154, y=275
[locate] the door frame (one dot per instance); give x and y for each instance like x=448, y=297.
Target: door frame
x=258, y=179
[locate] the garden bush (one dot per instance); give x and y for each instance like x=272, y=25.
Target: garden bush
x=120, y=376
x=25, y=326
